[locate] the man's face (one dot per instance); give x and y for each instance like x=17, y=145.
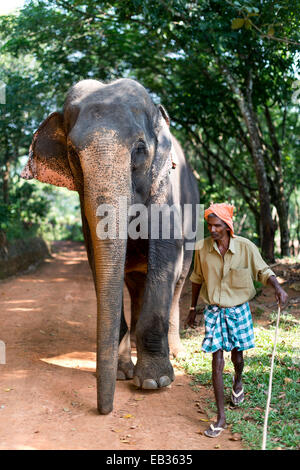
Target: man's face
x=217, y=228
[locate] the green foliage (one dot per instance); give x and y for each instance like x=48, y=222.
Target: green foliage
x=183, y=52
x=38, y=209
x=27, y=209
x=63, y=221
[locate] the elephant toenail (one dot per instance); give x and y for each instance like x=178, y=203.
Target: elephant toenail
x=164, y=381
x=136, y=381
x=149, y=384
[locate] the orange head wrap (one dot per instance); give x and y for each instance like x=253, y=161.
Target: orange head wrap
x=224, y=212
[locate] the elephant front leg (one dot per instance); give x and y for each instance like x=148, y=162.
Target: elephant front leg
x=153, y=368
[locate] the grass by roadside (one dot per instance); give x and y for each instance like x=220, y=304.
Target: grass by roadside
x=248, y=419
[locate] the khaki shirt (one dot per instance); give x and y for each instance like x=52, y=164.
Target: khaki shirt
x=228, y=282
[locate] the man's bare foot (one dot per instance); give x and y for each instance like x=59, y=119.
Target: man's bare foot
x=237, y=393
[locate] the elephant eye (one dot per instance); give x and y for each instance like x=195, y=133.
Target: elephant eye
x=141, y=147
x=139, y=154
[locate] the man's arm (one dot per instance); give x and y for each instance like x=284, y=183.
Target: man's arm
x=190, y=321
x=280, y=294
x=264, y=274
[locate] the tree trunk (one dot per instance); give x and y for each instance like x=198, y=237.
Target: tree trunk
x=248, y=114
x=282, y=211
x=268, y=232
x=280, y=201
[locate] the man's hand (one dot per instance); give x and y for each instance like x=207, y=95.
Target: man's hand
x=280, y=296
x=190, y=321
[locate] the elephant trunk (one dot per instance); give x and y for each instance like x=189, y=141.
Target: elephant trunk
x=109, y=269
x=103, y=188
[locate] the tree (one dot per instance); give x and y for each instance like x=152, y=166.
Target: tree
x=242, y=59
x=224, y=70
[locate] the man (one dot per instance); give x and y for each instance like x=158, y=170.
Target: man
x=224, y=269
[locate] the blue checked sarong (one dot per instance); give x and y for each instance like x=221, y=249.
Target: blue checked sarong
x=228, y=328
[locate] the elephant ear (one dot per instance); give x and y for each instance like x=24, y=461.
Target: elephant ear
x=48, y=155
x=162, y=162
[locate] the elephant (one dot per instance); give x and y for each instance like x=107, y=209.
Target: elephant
x=112, y=141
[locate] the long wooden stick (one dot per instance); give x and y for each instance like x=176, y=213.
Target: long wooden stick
x=270, y=384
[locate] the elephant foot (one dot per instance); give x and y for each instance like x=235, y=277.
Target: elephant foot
x=151, y=384
x=125, y=370
x=153, y=373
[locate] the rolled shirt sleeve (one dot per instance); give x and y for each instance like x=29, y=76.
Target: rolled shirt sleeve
x=260, y=269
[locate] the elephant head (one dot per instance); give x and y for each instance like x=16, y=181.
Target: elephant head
x=111, y=141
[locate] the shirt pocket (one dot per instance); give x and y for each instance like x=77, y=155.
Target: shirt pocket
x=240, y=278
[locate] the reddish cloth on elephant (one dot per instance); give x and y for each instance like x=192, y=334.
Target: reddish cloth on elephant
x=224, y=212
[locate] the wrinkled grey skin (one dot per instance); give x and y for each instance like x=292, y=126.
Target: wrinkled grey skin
x=112, y=141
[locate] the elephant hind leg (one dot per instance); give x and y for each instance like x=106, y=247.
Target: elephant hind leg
x=175, y=346
x=125, y=364
x=135, y=282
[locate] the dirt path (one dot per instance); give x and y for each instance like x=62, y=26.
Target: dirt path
x=47, y=386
